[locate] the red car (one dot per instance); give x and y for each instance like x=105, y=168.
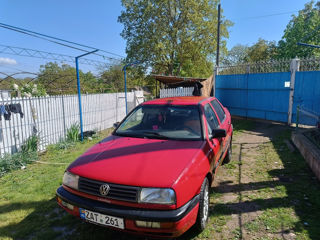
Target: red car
x=152, y=175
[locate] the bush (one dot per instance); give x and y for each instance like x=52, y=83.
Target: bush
x=15, y=161
x=63, y=144
x=73, y=133
x=31, y=144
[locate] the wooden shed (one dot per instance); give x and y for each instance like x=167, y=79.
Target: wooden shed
x=176, y=81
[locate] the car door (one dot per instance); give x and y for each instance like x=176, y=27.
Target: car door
x=224, y=120
x=214, y=143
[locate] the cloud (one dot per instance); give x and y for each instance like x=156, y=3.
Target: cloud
x=7, y=61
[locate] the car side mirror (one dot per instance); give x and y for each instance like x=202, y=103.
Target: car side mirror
x=116, y=124
x=219, y=133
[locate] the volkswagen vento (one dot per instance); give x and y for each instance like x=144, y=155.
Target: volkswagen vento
x=153, y=173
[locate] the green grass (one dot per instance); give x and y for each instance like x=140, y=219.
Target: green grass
x=27, y=206
x=285, y=193
x=240, y=125
x=281, y=188
x=295, y=197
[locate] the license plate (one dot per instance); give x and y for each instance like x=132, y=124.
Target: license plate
x=101, y=218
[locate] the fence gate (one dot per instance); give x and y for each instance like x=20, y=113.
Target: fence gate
x=271, y=91
x=260, y=95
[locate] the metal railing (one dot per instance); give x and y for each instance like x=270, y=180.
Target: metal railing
x=306, y=64
x=307, y=117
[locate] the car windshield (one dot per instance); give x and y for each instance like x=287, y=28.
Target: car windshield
x=163, y=122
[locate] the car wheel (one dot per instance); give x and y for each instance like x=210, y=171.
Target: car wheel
x=228, y=156
x=203, y=213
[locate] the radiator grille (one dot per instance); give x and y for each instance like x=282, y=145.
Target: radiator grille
x=117, y=192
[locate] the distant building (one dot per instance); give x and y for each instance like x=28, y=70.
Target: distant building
x=5, y=94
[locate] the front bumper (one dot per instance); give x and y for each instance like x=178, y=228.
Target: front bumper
x=177, y=220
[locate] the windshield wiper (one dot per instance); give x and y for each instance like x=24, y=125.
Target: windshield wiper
x=156, y=134
x=128, y=135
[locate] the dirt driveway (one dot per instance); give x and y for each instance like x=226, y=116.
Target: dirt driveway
x=266, y=192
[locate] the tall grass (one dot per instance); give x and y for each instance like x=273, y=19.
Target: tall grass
x=20, y=159
x=31, y=144
x=73, y=133
x=29, y=150
x=17, y=160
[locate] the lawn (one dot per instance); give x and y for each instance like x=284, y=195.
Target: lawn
x=266, y=192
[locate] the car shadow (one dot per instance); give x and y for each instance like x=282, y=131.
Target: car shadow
x=47, y=220
x=301, y=187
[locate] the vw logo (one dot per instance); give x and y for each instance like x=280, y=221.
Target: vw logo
x=104, y=189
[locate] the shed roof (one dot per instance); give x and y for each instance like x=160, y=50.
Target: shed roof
x=177, y=79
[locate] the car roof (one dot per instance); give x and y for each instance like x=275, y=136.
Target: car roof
x=178, y=101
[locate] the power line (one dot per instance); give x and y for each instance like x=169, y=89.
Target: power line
x=266, y=16
x=33, y=35
x=45, y=37
x=65, y=45
x=26, y=52
x=63, y=40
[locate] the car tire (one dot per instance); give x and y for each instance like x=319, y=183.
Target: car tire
x=203, y=213
x=228, y=156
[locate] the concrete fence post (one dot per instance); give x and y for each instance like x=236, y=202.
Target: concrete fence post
x=215, y=74
x=294, y=67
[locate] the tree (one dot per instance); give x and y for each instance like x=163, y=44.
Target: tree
x=112, y=79
x=261, y=51
x=236, y=55
x=62, y=79
x=302, y=28
x=175, y=37
x=57, y=79
x=29, y=89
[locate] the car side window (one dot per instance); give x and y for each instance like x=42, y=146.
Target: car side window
x=219, y=110
x=212, y=121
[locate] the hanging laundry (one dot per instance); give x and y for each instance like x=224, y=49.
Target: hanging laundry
x=16, y=108
x=7, y=116
x=197, y=89
x=2, y=111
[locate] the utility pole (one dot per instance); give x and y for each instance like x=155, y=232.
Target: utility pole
x=215, y=71
x=218, y=35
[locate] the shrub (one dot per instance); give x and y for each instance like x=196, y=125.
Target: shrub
x=31, y=144
x=73, y=133
x=15, y=161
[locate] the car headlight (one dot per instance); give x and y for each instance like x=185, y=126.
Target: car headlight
x=157, y=195
x=70, y=180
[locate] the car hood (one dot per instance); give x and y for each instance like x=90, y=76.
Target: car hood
x=137, y=161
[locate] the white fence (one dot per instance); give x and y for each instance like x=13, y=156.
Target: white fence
x=50, y=117
x=176, y=92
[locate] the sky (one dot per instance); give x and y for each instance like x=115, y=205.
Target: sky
x=94, y=23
